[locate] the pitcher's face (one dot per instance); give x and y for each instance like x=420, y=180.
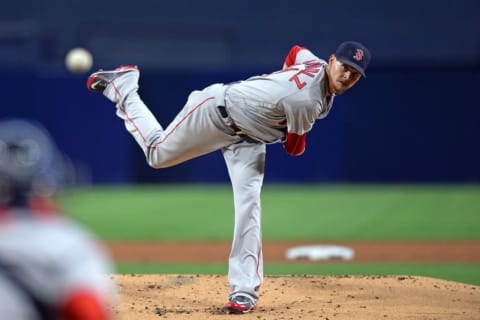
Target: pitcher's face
x=341, y=77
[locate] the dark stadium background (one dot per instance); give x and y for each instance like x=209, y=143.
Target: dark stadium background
x=414, y=119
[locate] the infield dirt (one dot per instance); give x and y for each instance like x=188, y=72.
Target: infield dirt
x=401, y=297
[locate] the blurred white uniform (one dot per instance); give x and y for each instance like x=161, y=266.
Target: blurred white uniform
x=50, y=267
x=53, y=258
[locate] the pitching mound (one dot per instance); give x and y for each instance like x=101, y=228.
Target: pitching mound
x=309, y=297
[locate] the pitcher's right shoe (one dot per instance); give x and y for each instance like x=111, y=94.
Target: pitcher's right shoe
x=114, y=84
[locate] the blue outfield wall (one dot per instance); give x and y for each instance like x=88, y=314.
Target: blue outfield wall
x=415, y=119
x=398, y=125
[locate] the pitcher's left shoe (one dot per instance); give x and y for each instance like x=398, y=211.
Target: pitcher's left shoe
x=239, y=303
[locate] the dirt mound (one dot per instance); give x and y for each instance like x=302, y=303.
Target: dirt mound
x=301, y=297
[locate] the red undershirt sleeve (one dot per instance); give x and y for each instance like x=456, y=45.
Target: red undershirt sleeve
x=83, y=305
x=295, y=144
x=292, y=55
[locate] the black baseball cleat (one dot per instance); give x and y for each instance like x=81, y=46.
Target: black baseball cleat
x=98, y=81
x=240, y=303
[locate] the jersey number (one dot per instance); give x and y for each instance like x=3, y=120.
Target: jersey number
x=311, y=68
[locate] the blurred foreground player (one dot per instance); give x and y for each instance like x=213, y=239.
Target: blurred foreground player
x=50, y=267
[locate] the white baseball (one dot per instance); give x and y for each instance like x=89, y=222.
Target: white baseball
x=78, y=60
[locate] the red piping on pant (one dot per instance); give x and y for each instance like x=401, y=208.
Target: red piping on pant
x=167, y=135
x=258, y=264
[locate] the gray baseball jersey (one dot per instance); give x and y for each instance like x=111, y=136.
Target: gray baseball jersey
x=238, y=119
x=290, y=100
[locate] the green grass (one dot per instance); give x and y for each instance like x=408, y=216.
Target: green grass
x=290, y=212
x=465, y=273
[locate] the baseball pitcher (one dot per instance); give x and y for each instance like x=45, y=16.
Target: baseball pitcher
x=239, y=119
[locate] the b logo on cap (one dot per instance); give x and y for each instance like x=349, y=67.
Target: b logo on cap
x=358, y=55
